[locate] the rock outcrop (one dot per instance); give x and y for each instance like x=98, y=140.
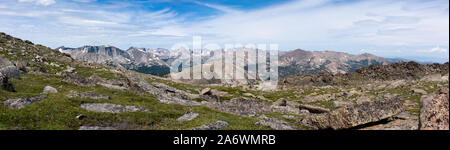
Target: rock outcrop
x=356, y=115
x=163, y=93
x=89, y=95
x=22, y=102
x=434, y=112
x=112, y=108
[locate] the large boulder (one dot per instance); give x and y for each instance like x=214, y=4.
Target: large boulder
x=49, y=89
x=8, y=69
x=355, y=115
x=434, y=112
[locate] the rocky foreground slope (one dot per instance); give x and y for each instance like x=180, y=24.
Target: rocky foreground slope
x=46, y=89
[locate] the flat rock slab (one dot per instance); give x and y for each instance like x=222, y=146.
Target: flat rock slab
x=112, y=108
x=188, y=117
x=89, y=95
x=212, y=126
x=356, y=115
x=275, y=124
x=22, y=102
x=96, y=128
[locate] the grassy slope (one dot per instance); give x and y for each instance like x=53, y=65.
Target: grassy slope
x=58, y=111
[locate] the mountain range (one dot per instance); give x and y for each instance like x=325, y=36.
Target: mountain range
x=157, y=61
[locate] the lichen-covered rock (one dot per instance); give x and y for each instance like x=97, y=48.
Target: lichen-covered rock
x=112, y=108
x=356, y=115
x=22, y=102
x=434, y=112
x=212, y=126
x=88, y=95
x=274, y=123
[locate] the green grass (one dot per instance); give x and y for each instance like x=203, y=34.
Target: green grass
x=59, y=112
x=88, y=72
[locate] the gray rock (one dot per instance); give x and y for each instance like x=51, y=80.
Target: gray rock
x=433, y=77
x=356, y=115
x=115, y=87
x=206, y=91
x=49, y=89
x=314, y=108
x=96, y=128
x=419, y=91
x=8, y=69
x=22, y=102
x=280, y=102
x=112, y=108
x=341, y=103
x=188, y=117
x=212, y=126
x=89, y=95
x=434, y=111
x=274, y=123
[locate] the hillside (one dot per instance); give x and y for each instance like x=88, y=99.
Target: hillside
x=46, y=89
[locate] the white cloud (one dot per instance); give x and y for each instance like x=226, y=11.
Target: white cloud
x=436, y=49
x=389, y=26
x=218, y=7
x=39, y=2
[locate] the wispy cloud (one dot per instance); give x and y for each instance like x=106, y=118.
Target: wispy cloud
x=381, y=27
x=39, y=2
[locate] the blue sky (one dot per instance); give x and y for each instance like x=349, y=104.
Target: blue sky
x=413, y=29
